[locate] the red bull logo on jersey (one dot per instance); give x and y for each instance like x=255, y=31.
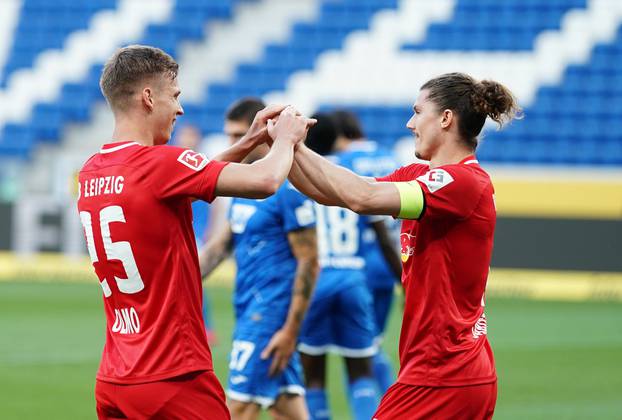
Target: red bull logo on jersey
x=408, y=247
x=193, y=160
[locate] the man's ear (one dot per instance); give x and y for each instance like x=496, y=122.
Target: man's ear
x=447, y=118
x=147, y=98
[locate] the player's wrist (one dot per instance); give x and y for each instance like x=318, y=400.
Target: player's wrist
x=287, y=138
x=291, y=328
x=248, y=142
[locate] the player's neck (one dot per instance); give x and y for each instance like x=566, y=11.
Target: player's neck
x=126, y=129
x=451, y=155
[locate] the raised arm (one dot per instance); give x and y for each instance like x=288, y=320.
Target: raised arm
x=282, y=345
x=217, y=248
x=257, y=134
x=299, y=178
x=343, y=187
x=263, y=177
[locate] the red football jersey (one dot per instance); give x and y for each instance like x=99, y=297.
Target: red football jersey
x=135, y=206
x=446, y=257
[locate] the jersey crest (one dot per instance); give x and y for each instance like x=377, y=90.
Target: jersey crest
x=305, y=214
x=240, y=213
x=436, y=179
x=193, y=160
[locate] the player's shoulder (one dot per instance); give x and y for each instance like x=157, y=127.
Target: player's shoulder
x=176, y=157
x=468, y=168
x=466, y=174
x=90, y=164
x=410, y=172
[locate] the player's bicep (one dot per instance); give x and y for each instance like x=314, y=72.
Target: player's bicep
x=381, y=198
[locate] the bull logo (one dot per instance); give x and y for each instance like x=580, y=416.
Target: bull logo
x=408, y=246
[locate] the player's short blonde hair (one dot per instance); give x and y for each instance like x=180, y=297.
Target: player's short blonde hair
x=129, y=66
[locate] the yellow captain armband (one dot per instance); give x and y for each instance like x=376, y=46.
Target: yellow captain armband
x=411, y=200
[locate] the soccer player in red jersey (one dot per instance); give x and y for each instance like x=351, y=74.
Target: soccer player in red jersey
x=134, y=203
x=446, y=364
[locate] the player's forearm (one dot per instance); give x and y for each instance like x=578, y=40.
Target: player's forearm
x=304, y=283
x=339, y=184
x=235, y=153
x=275, y=166
x=303, y=183
x=210, y=257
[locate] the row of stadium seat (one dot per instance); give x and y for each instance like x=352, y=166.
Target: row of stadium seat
x=187, y=22
x=279, y=61
x=45, y=25
x=251, y=79
x=579, y=113
x=575, y=122
x=484, y=25
x=76, y=99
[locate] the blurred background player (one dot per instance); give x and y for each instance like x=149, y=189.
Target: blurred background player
x=340, y=319
x=447, y=369
x=275, y=249
x=156, y=360
x=188, y=136
x=383, y=268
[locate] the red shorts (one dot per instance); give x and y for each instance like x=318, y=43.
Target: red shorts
x=196, y=395
x=412, y=402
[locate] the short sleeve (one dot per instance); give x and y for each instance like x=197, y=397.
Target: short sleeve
x=179, y=172
x=452, y=191
x=298, y=210
x=405, y=173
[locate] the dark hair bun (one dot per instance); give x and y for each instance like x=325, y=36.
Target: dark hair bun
x=496, y=101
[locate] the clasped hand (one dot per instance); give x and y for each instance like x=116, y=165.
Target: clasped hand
x=278, y=122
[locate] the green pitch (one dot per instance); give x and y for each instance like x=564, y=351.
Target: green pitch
x=555, y=360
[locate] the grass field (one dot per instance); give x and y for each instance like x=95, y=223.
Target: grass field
x=554, y=359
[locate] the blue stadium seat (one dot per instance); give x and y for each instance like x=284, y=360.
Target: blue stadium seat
x=45, y=25
x=484, y=25
x=17, y=141
x=575, y=122
x=336, y=19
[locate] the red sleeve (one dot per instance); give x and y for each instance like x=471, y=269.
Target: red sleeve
x=182, y=172
x=452, y=191
x=405, y=173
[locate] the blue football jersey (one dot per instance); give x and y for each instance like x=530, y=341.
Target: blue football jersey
x=200, y=214
x=340, y=234
x=265, y=264
x=366, y=158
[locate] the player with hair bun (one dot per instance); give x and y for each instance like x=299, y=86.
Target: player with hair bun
x=447, y=368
